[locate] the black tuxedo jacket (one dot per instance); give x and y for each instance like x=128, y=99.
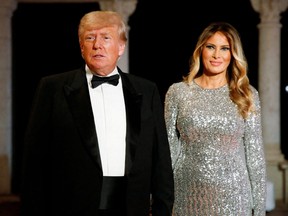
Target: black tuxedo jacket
x=62, y=172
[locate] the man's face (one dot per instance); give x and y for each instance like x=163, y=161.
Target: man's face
x=101, y=49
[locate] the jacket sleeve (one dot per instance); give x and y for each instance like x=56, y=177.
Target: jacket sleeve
x=35, y=142
x=162, y=179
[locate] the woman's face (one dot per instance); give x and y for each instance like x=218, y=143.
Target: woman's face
x=216, y=54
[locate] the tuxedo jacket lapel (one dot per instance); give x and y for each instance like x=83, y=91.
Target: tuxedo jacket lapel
x=133, y=101
x=78, y=98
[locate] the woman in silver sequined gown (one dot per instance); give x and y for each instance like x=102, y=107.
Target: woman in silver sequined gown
x=215, y=133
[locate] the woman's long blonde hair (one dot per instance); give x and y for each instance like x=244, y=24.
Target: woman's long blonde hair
x=238, y=82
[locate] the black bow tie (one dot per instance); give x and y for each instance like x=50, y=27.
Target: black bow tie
x=96, y=80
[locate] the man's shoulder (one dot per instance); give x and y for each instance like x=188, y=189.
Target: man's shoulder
x=65, y=74
x=136, y=78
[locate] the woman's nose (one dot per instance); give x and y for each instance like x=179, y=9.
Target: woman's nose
x=216, y=54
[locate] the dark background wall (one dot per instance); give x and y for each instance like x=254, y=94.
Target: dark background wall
x=162, y=39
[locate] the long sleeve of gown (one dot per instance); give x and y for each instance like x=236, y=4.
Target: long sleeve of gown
x=255, y=158
x=171, y=121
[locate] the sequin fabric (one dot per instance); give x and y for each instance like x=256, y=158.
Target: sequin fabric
x=218, y=158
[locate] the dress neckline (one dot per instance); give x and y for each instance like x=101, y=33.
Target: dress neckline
x=209, y=89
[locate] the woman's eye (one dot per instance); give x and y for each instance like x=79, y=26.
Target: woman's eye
x=225, y=48
x=209, y=46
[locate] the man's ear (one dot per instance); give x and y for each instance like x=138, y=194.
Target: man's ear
x=122, y=48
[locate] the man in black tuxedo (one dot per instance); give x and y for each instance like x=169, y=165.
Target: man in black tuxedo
x=96, y=143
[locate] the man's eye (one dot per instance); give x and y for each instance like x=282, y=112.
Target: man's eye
x=90, y=38
x=106, y=37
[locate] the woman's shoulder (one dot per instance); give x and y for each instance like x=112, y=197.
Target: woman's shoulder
x=178, y=86
x=256, y=97
x=176, y=90
x=254, y=91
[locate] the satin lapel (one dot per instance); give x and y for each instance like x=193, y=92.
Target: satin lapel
x=133, y=101
x=79, y=102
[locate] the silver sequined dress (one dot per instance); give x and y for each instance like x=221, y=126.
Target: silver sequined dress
x=218, y=158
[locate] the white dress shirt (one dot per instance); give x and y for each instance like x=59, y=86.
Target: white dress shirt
x=110, y=121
